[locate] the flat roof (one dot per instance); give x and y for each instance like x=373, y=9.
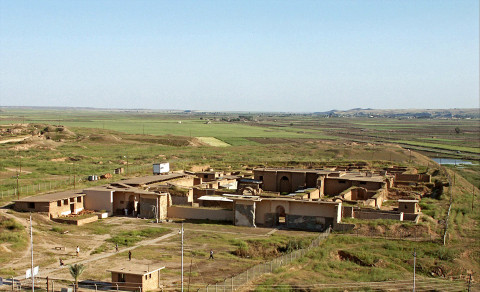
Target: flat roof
x=215, y=198
x=299, y=201
x=145, y=180
x=319, y=171
x=358, y=177
x=52, y=196
x=250, y=180
x=123, y=189
x=407, y=201
x=138, y=271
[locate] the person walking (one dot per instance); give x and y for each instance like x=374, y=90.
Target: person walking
x=211, y=255
x=78, y=251
x=129, y=255
x=116, y=247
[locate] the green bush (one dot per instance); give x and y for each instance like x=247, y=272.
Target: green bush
x=57, y=229
x=129, y=238
x=11, y=224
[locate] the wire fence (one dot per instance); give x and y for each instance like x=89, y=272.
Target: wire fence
x=54, y=285
x=422, y=284
x=418, y=236
x=58, y=185
x=450, y=193
x=235, y=282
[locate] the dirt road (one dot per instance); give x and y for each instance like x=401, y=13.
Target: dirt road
x=14, y=140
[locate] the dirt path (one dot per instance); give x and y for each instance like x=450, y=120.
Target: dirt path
x=25, y=224
x=15, y=170
x=48, y=271
x=14, y=140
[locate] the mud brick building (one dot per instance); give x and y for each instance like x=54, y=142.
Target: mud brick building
x=55, y=204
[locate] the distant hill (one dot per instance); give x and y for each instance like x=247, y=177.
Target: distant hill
x=473, y=113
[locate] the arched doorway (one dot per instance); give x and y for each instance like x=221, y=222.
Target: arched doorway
x=280, y=215
x=284, y=185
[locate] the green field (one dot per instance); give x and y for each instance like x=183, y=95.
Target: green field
x=96, y=142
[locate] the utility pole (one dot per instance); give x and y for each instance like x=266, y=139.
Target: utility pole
x=74, y=178
x=182, y=231
x=31, y=243
x=414, y=263
x=469, y=282
x=18, y=190
x=473, y=195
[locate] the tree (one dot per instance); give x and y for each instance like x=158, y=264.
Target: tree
x=76, y=270
x=457, y=130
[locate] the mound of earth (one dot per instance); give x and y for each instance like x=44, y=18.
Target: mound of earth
x=103, y=138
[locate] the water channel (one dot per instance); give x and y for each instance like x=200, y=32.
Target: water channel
x=450, y=161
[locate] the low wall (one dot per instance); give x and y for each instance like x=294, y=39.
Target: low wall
x=200, y=213
x=413, y=177
x=313, y=223
x=343, y=226
x=374, y=214
x=411, y=217
x=180, y=200
x=347, y=212
x=78, y=222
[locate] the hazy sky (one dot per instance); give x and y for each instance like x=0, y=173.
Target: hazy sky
x=240, y=55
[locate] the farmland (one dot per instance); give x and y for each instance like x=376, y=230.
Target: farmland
x=86, y=142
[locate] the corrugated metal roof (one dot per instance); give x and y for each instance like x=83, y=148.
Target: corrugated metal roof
x=145, y=180
x=52, y=197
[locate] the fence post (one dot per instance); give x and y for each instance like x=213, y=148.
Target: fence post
x=95, y=287
x=224, y=284
x=215, y=287
x=207, y=287
x=117, y=286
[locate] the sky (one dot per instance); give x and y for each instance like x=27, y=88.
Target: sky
x=261, y=55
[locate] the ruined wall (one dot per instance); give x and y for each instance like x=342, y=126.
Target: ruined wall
x=56, y=211
x=377, y=214
x=200, y=213
x=311, y=209
x=347, y=212
x=413, y=177
x=216, y=204
x=245, y=214
x=335, y=186
x=262, y=208
x=38, y=207
x=313, y=223
x=408, y=207
x=181, y=200
x=99, y=200
x=269, y=179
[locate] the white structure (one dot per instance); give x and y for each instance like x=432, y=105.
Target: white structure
x=161, y=168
